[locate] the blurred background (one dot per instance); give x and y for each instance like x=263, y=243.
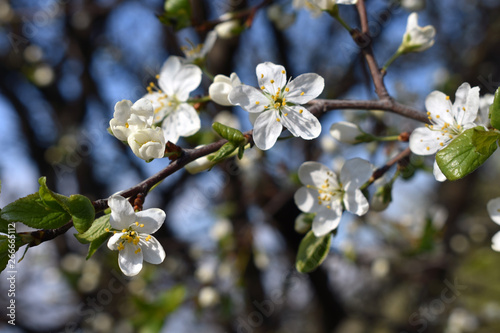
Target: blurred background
x=424, y=264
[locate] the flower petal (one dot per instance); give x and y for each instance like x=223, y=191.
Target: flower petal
x=152, y=219
x=166, y=80
x=424, y=141
x=152, y=251
x=122, y=212
x=184, y=121
x=219, y=92
x=356, y=172
x=266, y=130
x=306, y=200
x=122, y=111
x=493, y=208
x=325, y=221
x=271, y=76
x=438, y=174
x=354, y=201
x=468, y=98
x=495, y=242
x=114, y=241
x=249, y=98
x=439, y=108
x=301, y=123
x=130, y=260
x=304, y=88
x=314, y=173
x=177, y=79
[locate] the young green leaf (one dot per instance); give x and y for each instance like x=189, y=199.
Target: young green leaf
x=96, y=230
x=312, y=252
x=225, y=151
x=8, y=248
x=33, y=212
x=494, y=114
x=230, y=134
x=467, y=152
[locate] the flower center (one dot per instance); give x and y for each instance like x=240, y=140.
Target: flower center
x=448, y=131
x=328, y=191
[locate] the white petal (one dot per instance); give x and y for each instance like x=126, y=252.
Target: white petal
x=266, y=130
x=424, y=141
x=184, y=121
x=438, y=174
x=122, y=212
x=356, y=172
x=468, y=98
x=209, y=43
x=304, y=125
x=152, y=251
x=144, y=109
x=129, y=261
x=148, y=143
x=152, y=219
x=440, y=108
x=314, y=173
x=306, y=200
x=186, y=80
x=249, y=98
x=219, y=92
x=346, y=132
x=493, y=208
x=114, y=241
x=326, y=221
x=252, y=117
x=310, y=84
x=235, y=80
x=347, y=2
x=168, y=71
x=495, y=242
x=355, y=202
x=271, y=76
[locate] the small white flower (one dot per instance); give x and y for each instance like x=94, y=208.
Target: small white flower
x=448, y=121
x=484, y=110
x=493, y=208
x=228, y=29
x=197, y=53
x=324, y=194
x=278, y=104
x=199, y=164
x=279, y=17
x=176, y=81
x=129, y=117
x=208, y=297
x=416, y=38
x=133, y=239
x=413, y=5
x=147, y=143
x=345, y=132
x=222, y=87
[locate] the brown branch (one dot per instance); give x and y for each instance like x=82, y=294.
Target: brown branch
x=383, y=169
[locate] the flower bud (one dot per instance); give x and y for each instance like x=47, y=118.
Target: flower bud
x=221, y=87
x=228, y=29
x=147, y=143
x=346, y=132
x=416, y=38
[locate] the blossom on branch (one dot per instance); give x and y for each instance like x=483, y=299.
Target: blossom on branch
x=132, y=235
x=493, y=208
x=147, y=143
x=222, y=86
x=197, y=53
x=176, y=81
x=447, y=122
x=416, y=38
x=278, y=103
x=326, y=194
x=129, y=117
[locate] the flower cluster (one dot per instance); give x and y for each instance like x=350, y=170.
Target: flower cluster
x=131, y=235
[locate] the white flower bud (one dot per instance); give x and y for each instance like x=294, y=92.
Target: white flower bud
x=416, y=38
x=346, y=132
x=147, y=143
x=221, y=87
x=228, y=29
x=207, y=297
x=128, y=118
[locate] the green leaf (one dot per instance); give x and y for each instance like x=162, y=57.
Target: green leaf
x=177, y=14
x=8, y=249
x=96, y=230
x=467, y=152
x=312, y=252
x=78, y=206
x=230, y=134
x=95, y=244
x=225, y=151
x=494, y=114
x=33, y=212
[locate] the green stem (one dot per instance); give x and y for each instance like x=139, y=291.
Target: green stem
x=199, y=100
x=391, y=60
x=387, y=138
x=336, y=15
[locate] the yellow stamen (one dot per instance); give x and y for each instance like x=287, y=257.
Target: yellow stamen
x=124, y=230
x=261, y=76
x=447, y=98
x=107, y=229
x=138, y=250
x=283, y=72
x=302, y=93
x=272, y=81
x=278, y=119
x=287, y=89
x=141, y=225
x=148, y=238
x=257, y=103
x=157, y=76
x=262, y=87
x=428, y=148
x=300, y=111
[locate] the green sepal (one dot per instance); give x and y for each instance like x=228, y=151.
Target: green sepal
x=225, y=151
x=241, y=151
x=467, y=152
x=79, y=207
x=494, y=114
x=177, y=14
x=230, y=134
x=312, y=252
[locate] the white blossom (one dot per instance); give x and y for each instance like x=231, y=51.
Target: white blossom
x=493, y=208
x=416, y=38
x=147, y=143
x=228, y=29
x=447, y=122
x=129, y=117
x=345, y=132
x=484, y=110
x=222, y=87
x=196, y=53
x=413, y=5
x=176, y=81
x=325, y=194
x=278, y=104
x=132, y=235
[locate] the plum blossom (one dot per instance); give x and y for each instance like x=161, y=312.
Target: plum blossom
x=346, y=132
x=484, y=110
x=132, y=236
x=278, y=103
x=176, y=81
x=222, y=87
x=147, y=143
x=196, y=53
x=129, y=117
x=493, y=208
x=416, y=38
x=447, y=122
x=326, y=194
